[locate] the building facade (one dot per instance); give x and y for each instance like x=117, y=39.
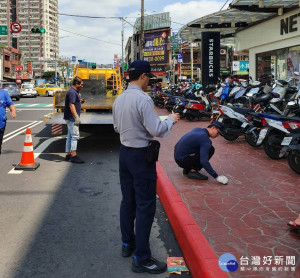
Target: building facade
x=38, y=48
x=274, y=46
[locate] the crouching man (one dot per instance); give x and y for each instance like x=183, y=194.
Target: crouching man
x=194, y=150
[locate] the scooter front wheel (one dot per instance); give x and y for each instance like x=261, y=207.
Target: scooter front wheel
x=190, y=117
x=294, y=162
x=230, y=136
x=271, y=150
x=251, y=138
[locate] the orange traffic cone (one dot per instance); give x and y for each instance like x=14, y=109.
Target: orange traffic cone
x=27, y=159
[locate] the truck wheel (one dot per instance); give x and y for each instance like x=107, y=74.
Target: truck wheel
x=294, y=162
x=17, y=98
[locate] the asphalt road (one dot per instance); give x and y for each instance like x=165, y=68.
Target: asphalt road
x=62, y=220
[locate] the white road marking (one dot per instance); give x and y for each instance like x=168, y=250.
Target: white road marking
x=35, y=104
x=19, y=121
x=23, y=130
x=31, y=123
x=15, y=172
x=34, y=109
x=49, y=105
x=38, y=151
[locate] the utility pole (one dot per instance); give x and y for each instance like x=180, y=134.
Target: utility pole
x=55, y=62
x=192, y=62
x=122, y=47
x=142, y=32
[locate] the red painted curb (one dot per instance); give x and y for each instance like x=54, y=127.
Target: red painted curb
x=200, y=257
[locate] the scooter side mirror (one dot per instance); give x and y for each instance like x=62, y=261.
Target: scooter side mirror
x=249, y=94
x=296, y=73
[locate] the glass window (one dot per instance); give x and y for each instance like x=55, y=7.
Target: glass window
x=281, y=63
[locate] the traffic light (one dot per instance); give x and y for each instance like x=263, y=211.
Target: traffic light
x=38, y=30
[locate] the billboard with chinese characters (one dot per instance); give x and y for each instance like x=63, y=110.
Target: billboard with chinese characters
x=155, y=49
x=155, y=21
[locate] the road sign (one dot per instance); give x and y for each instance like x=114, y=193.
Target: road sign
x=55, y=79
x=73, y=58
x=15, y=27
x=179, y=58
x=3, y=30
x=16, y=35
x=163, y=35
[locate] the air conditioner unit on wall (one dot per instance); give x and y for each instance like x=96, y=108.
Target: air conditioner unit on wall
x=223, y=51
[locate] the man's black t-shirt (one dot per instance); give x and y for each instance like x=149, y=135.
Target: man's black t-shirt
x=72, y=96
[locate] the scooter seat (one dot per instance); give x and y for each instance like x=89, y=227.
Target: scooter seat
x=286, y=118
x=243, y=111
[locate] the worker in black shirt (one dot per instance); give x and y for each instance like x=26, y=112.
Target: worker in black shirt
x=194, y=150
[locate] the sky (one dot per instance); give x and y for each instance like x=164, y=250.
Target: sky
x=105, y=33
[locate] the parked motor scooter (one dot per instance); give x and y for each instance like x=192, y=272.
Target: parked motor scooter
x=234, y=119
x=274, y=131
x=291, y=149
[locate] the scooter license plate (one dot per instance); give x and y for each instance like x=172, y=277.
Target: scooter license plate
x=261, y=136
x=184, y=110
x=220, y=119
x=244, y=125
x=286, y=141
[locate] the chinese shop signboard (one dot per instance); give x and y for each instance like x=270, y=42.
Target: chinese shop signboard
x=155, y=50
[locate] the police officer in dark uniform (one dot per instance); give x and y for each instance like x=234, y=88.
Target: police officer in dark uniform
x=137, y=123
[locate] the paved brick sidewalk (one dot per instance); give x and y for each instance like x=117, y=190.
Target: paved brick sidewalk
x=248, y=216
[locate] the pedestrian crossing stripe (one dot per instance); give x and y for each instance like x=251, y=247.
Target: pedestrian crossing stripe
x=20, y=105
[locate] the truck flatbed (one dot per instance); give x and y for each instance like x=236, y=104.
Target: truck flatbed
x=91, y=103
x=90, y=118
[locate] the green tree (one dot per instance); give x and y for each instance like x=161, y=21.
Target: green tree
x=49, y=75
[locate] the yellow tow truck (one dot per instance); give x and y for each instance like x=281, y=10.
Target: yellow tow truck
x=100, y=89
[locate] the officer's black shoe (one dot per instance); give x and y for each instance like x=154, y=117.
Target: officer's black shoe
x=68, y=157
x=149, y=265
x=76, y=159
x=185, y=172
x=127, y=249
x=197, y=176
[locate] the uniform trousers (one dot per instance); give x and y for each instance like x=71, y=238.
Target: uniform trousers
x=193, y=162
x=138, y=185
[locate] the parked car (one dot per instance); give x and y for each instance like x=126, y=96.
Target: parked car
x=47, y=89
x=12, y=89
x=28, y=90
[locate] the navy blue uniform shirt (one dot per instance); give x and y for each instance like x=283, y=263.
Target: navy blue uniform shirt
x=72, y=96
x=195, y=142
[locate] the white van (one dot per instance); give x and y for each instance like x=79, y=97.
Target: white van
x=28, y=90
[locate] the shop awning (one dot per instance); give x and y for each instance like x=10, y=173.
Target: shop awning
x=242, y=13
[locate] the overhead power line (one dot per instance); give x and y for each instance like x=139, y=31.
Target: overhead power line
x=110, y=17
x=224, y=5
x=88, y=37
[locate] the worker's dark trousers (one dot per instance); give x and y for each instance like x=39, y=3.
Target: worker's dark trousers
x=193, y=162
x=138, y=185
x=1, y=137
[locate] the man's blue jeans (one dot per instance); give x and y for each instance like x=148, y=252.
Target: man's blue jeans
x=73, y=136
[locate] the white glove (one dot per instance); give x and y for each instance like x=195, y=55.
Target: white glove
x=77, y=120
x=222, y=179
